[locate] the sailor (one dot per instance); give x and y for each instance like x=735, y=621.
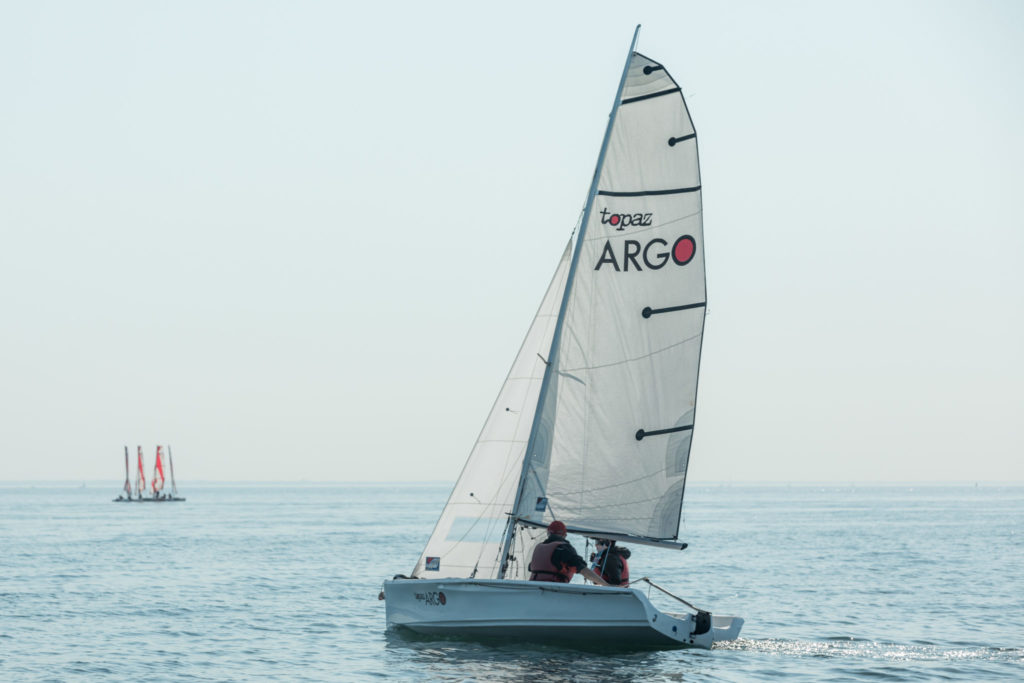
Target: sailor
x=610, y=562
x=556, y=560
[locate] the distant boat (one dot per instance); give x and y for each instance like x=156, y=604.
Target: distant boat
x=593, y=425
x=137, y=493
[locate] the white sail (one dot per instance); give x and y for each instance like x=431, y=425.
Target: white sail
x=613, y=437
x=466, y=542
x=598, y=435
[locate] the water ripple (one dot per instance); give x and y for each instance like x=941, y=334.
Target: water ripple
x=280, y=584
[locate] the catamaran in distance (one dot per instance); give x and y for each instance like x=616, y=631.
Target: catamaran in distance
x=156, y=494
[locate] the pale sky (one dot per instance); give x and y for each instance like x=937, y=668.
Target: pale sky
x=304, y=240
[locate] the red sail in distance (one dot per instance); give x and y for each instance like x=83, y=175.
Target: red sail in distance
x=158, y=471
x=140, y=479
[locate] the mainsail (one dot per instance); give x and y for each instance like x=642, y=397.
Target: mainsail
x=140, y=476
x=466, y=542
x=594, y=422
x=170, y=461
x=158, y=471
x=611, y=443
x=127, y=475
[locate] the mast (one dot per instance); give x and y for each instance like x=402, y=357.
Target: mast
x=545, y=383
x=140, y=476
x=127, y=476
x=170, y=461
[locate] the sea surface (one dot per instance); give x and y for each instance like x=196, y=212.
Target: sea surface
x=280, y=583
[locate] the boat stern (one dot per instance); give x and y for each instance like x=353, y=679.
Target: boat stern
x=725, y=628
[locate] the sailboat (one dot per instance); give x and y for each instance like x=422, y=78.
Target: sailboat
x=156, y=494
x=594, y=422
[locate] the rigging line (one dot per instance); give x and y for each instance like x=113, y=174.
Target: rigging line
x=646, y=230
x=651, y=583
x=578, y=221
x=520, y=551
x=632, y=360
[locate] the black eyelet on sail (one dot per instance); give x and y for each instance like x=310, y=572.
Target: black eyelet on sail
x=639, y=435
x=646, y=312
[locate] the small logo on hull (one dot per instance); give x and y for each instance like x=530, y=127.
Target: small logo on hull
x=432, y=598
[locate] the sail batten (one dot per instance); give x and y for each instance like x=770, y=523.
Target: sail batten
x=648, y=193
x=640, y=98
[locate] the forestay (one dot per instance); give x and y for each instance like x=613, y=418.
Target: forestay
x=612, y=441
x=466, y=542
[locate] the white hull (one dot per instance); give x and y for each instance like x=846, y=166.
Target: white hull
x=545, y=612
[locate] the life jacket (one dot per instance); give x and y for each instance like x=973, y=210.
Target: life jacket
x=623, y=575
x=544, y=569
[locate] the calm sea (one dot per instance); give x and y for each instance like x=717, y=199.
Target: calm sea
x=280, y=582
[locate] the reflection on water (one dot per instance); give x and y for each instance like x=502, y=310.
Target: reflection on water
x=450, y=658
x=444, y=658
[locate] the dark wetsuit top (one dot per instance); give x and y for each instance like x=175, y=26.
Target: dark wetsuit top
x=566, y=554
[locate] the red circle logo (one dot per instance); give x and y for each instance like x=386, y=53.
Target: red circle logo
x=684, y=250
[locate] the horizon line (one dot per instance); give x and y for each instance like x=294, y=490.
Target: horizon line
x=448, y=482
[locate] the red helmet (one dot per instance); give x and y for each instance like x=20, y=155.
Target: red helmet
x=557, y=528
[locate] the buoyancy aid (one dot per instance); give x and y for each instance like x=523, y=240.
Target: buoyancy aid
x=542, y=567
x=601, y=563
